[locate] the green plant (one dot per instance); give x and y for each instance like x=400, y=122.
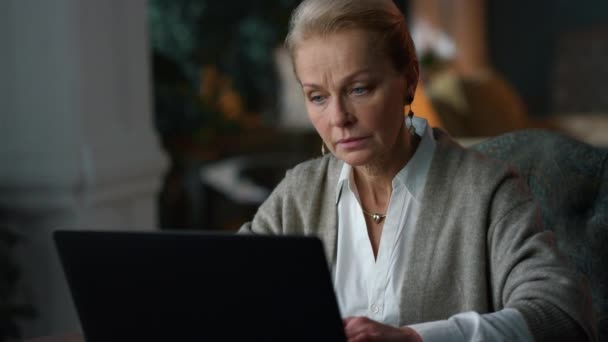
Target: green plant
x=214, y=70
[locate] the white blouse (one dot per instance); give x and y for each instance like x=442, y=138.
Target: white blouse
x=371, y=287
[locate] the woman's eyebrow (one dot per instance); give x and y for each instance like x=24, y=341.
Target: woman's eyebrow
x=346, y=79
x=356, y=74
x=310, y=85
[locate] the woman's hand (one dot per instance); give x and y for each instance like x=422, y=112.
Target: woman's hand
x=364, y=329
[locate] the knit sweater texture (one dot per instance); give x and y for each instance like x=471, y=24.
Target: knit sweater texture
x=478, y=245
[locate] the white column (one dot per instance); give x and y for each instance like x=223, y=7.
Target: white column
x=77, y=142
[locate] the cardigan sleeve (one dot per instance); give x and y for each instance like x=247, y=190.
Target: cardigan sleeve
x=268, y=219
x=529, y=274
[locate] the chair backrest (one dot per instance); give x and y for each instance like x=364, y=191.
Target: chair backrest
x=570, y=182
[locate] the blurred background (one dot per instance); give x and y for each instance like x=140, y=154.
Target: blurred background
x=164, y=114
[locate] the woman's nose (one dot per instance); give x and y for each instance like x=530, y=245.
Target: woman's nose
x=340, y=114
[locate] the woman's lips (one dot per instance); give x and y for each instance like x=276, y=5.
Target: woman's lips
x=351, y=143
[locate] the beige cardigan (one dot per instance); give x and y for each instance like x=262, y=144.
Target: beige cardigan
x=478, y=244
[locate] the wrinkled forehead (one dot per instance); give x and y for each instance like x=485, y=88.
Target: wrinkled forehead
x=343, y=52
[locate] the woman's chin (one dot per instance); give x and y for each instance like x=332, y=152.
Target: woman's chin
x=355, y=158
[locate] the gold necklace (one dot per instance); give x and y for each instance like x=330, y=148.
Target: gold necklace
x=377, y=217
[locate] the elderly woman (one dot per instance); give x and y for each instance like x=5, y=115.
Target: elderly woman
x=426, y=240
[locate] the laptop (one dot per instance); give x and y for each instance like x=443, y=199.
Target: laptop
x=168, y=286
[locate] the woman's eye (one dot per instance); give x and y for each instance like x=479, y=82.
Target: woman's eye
x=359, y=90
x=316, y=98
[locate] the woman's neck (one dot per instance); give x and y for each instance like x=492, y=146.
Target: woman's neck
x=374, y=181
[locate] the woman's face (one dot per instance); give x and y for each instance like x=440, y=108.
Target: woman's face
x=353, y=94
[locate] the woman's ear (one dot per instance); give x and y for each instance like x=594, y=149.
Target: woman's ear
x=411, y=79
x=409, y=98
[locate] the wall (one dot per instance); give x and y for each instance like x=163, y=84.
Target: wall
x=522, y=38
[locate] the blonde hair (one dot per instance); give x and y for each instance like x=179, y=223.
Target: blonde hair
x=324, y=17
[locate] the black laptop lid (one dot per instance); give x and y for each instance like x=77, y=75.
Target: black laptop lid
x=199, y=287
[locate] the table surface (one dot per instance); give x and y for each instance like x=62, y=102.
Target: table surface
x=74, y=337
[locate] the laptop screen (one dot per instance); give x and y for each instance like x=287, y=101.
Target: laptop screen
x=157, y=286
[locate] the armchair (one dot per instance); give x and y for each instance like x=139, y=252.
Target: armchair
x=570, y=182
